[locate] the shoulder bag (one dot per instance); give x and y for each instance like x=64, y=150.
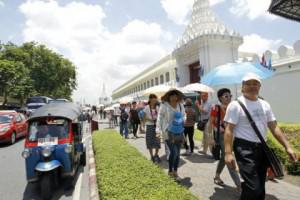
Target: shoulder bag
x=274, y=162
x=216, y=149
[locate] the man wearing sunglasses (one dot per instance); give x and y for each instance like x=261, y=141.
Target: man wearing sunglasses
x=248, y=150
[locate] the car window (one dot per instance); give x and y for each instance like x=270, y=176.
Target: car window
x=18, y=118
x=5, y=119
x=22, y=117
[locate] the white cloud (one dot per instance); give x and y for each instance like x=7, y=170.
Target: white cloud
x=215, y=2
x=178, y=10
x=251, y=9
x=256, y=44
x=76, y=31
x=2, y=4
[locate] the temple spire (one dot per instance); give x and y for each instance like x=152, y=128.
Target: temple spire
x=203, y=22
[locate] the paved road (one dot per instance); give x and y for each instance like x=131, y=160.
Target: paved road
x=13, y=184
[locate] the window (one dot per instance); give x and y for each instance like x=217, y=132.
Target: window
x=161, y=79
x=152, y=83
x=156, y=80
x=167, y=77
x=148, y=84
x=145, y=86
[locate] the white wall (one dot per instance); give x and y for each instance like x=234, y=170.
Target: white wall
x=282, y=91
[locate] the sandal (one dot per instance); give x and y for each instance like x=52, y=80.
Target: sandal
x=218, y=181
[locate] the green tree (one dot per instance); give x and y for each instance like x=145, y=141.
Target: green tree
x=45, y=73
x=11, y=73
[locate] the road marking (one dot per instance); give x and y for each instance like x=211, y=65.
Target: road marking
x=76, y=193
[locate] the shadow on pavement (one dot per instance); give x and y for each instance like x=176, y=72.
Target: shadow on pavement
x=7, y=144
x=32, y=190
x=225, y=193
x=200, y=158
x=186, y=182
x=230, y=193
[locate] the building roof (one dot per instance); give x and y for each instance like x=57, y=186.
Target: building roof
x=286, y=8
x=203, y=22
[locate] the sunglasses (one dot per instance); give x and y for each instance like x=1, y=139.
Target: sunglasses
x=227, y=96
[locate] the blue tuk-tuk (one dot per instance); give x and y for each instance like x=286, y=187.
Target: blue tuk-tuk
x=53, y=146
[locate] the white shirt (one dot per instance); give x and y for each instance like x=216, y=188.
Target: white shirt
x=166, y=116
x=207, y=108
x=259, y=110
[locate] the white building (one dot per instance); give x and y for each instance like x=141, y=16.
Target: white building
x=207, y=43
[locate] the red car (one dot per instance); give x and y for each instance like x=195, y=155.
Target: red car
x=13, y=125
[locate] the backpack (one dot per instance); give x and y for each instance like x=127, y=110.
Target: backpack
x=176, y=129
x=124, y=116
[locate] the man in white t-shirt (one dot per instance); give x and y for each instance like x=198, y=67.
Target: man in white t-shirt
x=247, y=147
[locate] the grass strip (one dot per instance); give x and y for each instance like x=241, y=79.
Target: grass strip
x=123, y=173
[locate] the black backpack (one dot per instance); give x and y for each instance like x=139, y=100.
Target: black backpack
x=124, y=116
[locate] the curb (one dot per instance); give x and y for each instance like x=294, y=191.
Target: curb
x=94, y=194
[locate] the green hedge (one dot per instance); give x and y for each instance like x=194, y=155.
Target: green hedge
x=292, y=132
x=123, y=173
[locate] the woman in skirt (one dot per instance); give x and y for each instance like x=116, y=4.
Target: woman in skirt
x=150, y=116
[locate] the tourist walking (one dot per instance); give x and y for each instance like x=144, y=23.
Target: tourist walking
x=248, y=150
x=134, y=119
x=170, y=125
x=150, y=118
x=124, y=122
x=189, y=126
x=218, y=127
x=203, y=107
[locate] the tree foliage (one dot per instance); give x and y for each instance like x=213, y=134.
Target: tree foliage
x=33, y=69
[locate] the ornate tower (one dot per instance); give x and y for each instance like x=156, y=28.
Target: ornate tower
x=205, y=44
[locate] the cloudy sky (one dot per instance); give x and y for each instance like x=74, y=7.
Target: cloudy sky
x=110, y=41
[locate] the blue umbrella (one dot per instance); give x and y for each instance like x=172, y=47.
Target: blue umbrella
x=233, y=73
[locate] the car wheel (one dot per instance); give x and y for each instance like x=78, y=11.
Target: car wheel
x=13, y=138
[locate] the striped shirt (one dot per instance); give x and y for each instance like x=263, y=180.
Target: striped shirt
x=190, y=117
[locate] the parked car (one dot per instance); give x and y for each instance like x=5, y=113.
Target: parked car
x=58, y=101
x=13, y=125
x=33, y=103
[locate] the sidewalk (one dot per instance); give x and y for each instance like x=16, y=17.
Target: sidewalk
x=197, y=172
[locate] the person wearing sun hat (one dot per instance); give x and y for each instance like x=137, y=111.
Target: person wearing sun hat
x=241, y=138
x=171, y=116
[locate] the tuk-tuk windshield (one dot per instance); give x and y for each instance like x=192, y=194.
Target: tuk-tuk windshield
x=53, y=128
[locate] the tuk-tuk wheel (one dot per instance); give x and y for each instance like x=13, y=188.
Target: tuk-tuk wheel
x=83, y=159
x=46, y=186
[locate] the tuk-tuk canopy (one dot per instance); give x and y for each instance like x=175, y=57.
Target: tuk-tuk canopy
x=65, y=110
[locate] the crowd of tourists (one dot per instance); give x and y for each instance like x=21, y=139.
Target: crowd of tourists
x=228, y=134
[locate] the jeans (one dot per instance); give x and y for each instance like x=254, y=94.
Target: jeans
x=174, y=156
x=221, y=164
x=253, y=164
x=124, y=129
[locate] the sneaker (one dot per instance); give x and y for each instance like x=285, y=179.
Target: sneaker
x=153, y=159
x=157, y=159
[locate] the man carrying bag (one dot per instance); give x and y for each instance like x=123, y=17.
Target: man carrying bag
x=249, y=150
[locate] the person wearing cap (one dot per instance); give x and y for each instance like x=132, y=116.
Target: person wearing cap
x=251, y=158
x=172, y=103
x=217, y=124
